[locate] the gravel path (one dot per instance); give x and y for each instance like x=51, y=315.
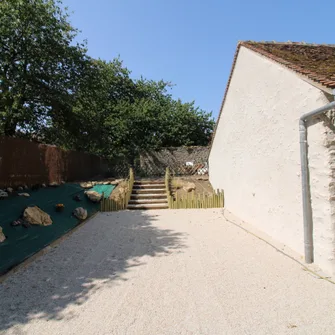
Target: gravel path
x=165, y=272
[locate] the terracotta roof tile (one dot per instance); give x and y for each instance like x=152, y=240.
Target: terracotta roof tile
x=316, y=61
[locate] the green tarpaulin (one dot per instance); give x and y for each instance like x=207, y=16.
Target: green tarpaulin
x=23, y=242
x=106, y=190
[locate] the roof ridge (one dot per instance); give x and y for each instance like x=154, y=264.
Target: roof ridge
x=322, y=79
x=303, y=43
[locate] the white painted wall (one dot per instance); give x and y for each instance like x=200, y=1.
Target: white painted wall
x=255, y=154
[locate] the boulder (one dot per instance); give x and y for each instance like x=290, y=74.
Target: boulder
x=25, y=187
x=80, y=213
x=24, y=194
x=3, y=194
x=86, y=185
x=189, y=187
x=44, y=185
x=94, y=196
x=9, y=190
x=35, y=215
x=116, y=182
x=106, y=183
x=2, y=236
x=20, y=188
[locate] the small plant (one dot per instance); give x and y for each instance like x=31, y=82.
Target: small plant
x=59, y=207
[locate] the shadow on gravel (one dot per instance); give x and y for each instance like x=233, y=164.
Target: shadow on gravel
x=97, y=254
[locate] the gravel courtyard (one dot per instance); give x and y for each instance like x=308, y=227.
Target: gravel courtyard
x=165, y=272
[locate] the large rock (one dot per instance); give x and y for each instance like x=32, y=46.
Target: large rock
x=86, y=185
x=3, y=194
x=9, y=190
x=94, y=196
x=2, y=236
x=189, y=187
x=80, y=213
x=24, y=194
x=116, y=182
x=35, y=215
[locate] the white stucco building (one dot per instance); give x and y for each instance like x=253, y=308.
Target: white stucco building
x=255, y=155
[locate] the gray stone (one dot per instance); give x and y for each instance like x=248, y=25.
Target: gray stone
x=86, y=185
x=24, y=195
x=34, y=215
x=2, y=236
x=116, y=182
x=80, y=213
x=93, y=196
x=3, y=194
x=9, y=190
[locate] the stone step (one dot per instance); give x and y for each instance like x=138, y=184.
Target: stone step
x=148, y=206
x=148, y=196
x=149, y=182
x=147, y=201
x=152, y=186
x=149, y=191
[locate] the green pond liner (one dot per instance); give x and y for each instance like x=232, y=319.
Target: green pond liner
x=106, y=190
x=22, y=242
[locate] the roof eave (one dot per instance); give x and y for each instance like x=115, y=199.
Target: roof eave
x=314, y=83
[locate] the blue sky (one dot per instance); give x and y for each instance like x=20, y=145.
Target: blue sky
x=192, y=43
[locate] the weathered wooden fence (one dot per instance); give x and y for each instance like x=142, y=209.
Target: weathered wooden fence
x=192, y=200
x=24, y=162
x=111, y=205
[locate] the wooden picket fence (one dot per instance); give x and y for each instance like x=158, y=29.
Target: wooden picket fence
x=110, y=205
x=192, y=200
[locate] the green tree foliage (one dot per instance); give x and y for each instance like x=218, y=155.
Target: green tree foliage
x=39, y=67
x=51, y=89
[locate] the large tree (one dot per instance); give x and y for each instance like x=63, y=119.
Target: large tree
x=50, y=88
x=40, y=67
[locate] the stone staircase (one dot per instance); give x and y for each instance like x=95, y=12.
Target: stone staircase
x=148, y=194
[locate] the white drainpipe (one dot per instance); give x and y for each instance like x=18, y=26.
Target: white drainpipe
x=306, y=196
